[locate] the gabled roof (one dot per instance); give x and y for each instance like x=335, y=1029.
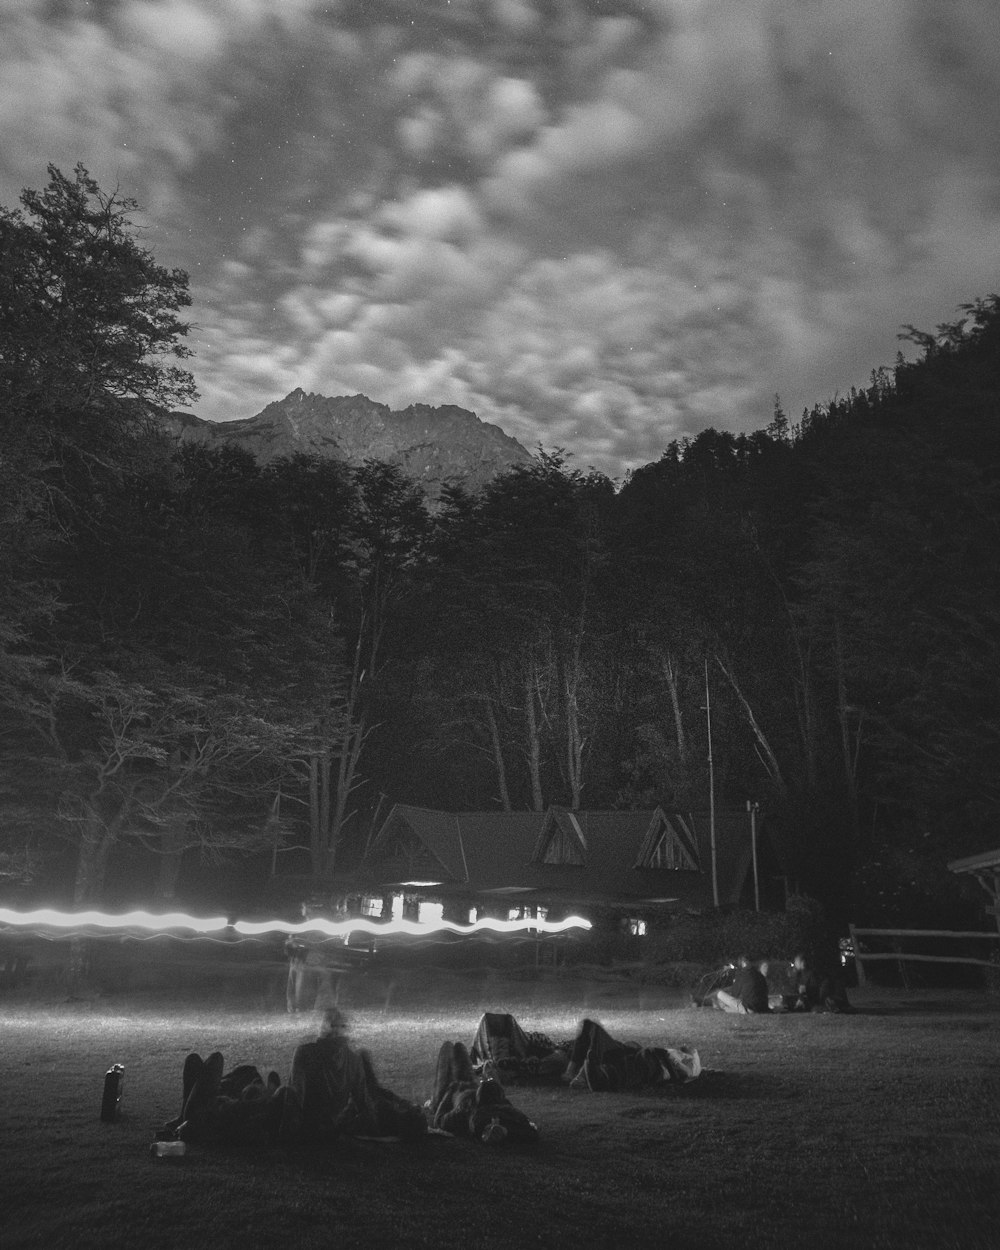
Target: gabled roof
x=607, y=857
x=670, y=841
x=562, y=840
x=410, y=834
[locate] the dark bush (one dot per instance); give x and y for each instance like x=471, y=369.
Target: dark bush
x=713, y=939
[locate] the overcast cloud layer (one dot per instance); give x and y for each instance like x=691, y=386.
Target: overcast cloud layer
x=602, y=224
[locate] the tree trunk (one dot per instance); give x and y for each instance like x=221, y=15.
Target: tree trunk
x=324, y=798
x=807, y=719
x=534, y=740
x=317, y=837
x=498, y=760
x=575, y=742
x=668, y=668
x=766, y=754
x=172, y=843
x=347, y=782
x=91, y=868
x=850, y=749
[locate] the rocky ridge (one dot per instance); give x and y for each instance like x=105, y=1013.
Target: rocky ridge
x=432, y=445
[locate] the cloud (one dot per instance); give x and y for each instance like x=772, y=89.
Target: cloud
x=602, y=224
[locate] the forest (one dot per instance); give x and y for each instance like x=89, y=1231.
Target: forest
x=212, y=670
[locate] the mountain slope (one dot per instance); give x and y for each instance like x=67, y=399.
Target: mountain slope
x=432, y=445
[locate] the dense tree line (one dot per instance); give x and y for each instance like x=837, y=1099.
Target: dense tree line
x=204, y=659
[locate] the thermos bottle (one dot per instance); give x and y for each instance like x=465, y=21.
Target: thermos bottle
x=113, y=1081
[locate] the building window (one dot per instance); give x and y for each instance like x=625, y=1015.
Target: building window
x=527, y=913
x=429, y=913
x=370, y=907
x=634, y=926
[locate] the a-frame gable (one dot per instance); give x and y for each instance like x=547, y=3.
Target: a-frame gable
x=668, y=844
x=399, y=843
x=562, y=840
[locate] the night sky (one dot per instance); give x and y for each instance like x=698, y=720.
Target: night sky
x=602, y=224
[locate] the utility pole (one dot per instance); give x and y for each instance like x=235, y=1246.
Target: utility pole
x=752, y=809
x=711, y=791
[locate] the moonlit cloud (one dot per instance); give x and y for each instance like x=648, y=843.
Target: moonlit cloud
x=602, y=224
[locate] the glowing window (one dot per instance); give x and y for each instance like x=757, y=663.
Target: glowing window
x=397, y=907
x=428, y=913
x=370, y=907
x=636, y=927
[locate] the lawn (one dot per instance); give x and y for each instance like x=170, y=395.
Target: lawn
x=878, y=1129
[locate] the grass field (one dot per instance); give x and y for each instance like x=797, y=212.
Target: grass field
x=878, y=1129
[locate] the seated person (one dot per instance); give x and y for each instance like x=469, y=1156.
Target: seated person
x=703, y=994
x=333, y=1092
x=777, y=974
x=833, y=994
x=747, y=993
x=804, y=986
x=603, y=1064
x=478, y=1108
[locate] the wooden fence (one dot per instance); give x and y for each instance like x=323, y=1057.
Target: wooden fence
x=900, y=956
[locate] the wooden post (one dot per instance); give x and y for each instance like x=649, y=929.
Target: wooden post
x=711, y=793
x=752, y=809
x=858, y=963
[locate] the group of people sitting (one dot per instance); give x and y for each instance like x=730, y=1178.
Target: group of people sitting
x=333, y=1091
x=748, y=988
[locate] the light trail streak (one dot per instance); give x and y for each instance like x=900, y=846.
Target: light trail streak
x=163, y=923
x=411, y=928
x=167, y=922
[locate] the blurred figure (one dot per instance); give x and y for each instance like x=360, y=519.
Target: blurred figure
x=333, y=1092
x=776, y=977
x=296, y=985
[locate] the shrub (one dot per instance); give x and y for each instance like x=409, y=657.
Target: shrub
x=712, y=939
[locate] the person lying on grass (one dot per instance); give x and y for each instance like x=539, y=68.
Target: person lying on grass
x=476, y=1107
x=238, y=1107
x=514, y=1053
x=600, y=1063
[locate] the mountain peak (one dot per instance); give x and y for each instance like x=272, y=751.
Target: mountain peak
x=433, y=445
